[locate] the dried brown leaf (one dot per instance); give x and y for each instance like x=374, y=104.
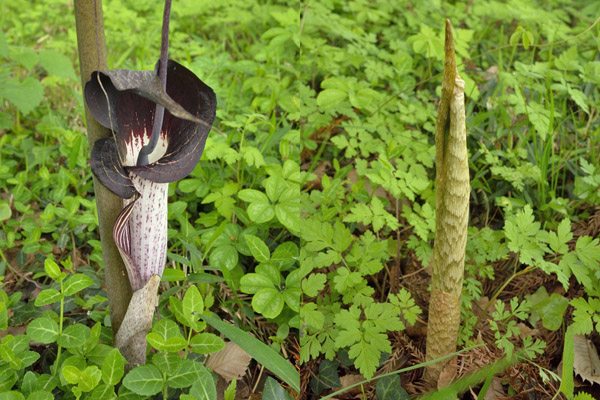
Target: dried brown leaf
x=351, y=379
x=231, y=362
x=586, y=363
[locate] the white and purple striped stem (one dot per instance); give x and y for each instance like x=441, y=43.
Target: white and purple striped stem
x=140, y=231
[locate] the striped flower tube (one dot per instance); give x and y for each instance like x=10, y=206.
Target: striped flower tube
x=125, y=102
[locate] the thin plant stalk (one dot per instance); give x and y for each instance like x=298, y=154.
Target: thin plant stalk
x=92, y=57
x=159, y=113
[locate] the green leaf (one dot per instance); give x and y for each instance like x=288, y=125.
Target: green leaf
x=12, y=395
x=177, y=310
x=189, y=371
x=230, y=391
x=3, y=45
x=8, y=355
x=335, y=83
x=156, y=341
x=189, y=185
x=268, y=302
x=26, y=95
x=588, y=251
x=311, y=316
x=567, y=384
x=126, y=394
x=204, y=387
x=252, y=283
x=327, y=378
x=175, y=344
x=288, y=213
x=113, y=367
x=47, y=296
x=558, y=241
x=330, y=98
x=71, y=373
x=292, y=298
x=57, y=64
x=258, y=248
x=74, y=336
x=224, y=256
x=552, y=311
x=167, y=328
x=204, y=343
x=51, y=268
x=43, y=330
x=252, y=195
x=312, y=285
x=102, y=392
x=274, y=391
x=583, y=396
x=89, y=378
x=390, y=388
x=173, y=275
x=8, y=378
x=145, y=380
x=5, y=211
x=286, y=254
x=262, y=353
x=261, y=212
x=167, y=362
x=77, y=282
x=192, y=304
x=29, y=383
x=42, y=395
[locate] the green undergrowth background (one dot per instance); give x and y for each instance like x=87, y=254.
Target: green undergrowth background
x=315, y=192
x=236, y=216
x=371, y=78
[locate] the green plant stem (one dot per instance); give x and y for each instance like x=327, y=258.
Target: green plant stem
x=92, y=57
x=493, y=299
x=412, y=367
x=60, y=327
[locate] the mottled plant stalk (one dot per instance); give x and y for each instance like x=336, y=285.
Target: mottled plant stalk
x=92, y=57
x=452, y=211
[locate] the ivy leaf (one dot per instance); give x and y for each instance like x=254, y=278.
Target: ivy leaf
x=192, y=304
x=205, y=343
x=274, y=391
x=76, y=283
x=43, y=330
x=145, y=380
x=390, y=388
x=204, y=387
x=113, y=367
x=74, y=336
x=47, y=296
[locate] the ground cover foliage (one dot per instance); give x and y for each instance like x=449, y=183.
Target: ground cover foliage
x=372, y=77
x=309, y=220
